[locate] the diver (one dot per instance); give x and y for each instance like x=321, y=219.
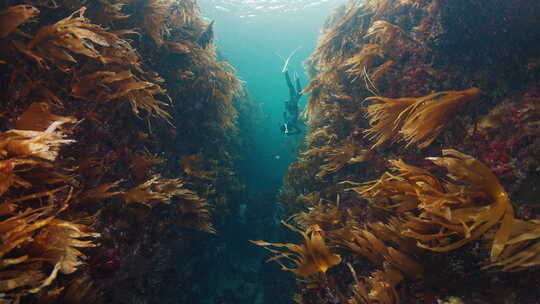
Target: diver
x=290, y=115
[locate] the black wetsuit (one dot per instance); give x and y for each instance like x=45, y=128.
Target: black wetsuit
x=290, y=115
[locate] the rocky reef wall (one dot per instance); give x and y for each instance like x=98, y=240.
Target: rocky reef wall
x=417, y=181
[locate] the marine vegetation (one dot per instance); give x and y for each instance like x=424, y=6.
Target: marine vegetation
x=313, y=256
x=101, y=101
x=421, y=159
x=416, y=120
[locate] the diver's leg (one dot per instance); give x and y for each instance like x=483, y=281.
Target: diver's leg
x=298, y=87
x=292, y=92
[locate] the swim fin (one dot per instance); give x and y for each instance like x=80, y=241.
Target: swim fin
x=286, y=65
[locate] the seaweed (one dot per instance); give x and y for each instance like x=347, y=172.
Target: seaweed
x=87, y=119
x=14, y=16
x=417, y=120
x=311, y=257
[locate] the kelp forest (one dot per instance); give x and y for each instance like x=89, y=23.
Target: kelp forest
x=123, y=130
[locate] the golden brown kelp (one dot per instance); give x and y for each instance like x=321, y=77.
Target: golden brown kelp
x=141, y=163
x=35, y=237
x=14, y=16
x=447, y=209
x=311, y=257
x=417, y=120
x=379, y=288
x=336, y=159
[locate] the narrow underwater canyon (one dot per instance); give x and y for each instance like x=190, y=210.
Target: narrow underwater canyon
x=141, y=158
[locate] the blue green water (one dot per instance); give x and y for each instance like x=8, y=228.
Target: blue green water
x=253, y=45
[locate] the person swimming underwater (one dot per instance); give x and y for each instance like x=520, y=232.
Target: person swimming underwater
x=290, y=115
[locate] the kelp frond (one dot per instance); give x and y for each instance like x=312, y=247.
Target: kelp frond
x=14, y=16
x=156, y=189
x=73, y=34
x=192, y=165
x=156, y=14
x=384, y=32
x=38, y=117
x=337, y=158
x=81, y=290
x=42, y=144
x=34, y=240
x=58, y=241
x=417, y=120
x=141, y=163
x=322, y=214
x=393, y=39
x=125, y=87
x=455, y=212
x=517, y=245
x=311, y=257
x=194, y=211
x=366, y=58
x=325, y=135
x=380, y=288
x=382, y=243
x=99, y=193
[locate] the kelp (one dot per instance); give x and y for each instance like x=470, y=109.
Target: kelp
x=156, y=14
x=336, y=158
x=456, y=212
x=99, y=193
x=416, y=120
x=366, y=58
x=42, y=144
x=373, y=246
x=12, y=17
x=73, y=34
x=193, y=166
x=324, y=135
x=38, y=117
x=33, y=229
x=194, y=212
x=333, y=44
x=141, y=163
x=75, y=84
x=43, y=238
x=81, y=289
x=322, y=214
x=340, y=157
x=111, y=10
x=392, y=39
x=124, y=87
x=311, y=257
x=517, y=245
x=58, y=242
x=379, y=288
x=154, y=190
